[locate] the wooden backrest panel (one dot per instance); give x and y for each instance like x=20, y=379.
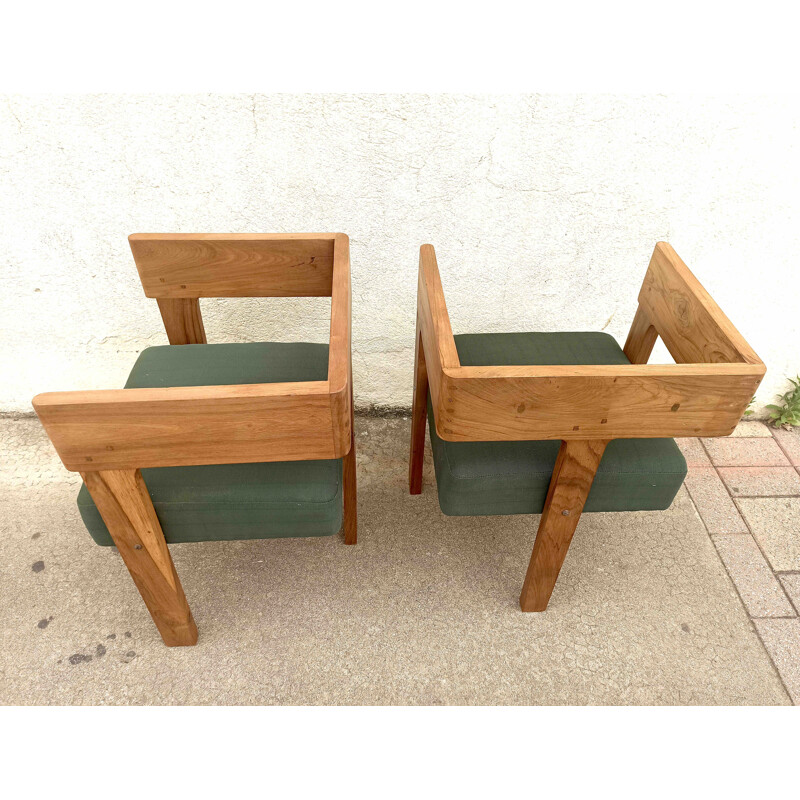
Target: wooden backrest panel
x=195, y=265
x=692, y=326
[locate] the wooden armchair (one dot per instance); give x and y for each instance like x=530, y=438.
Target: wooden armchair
x=254, y=411
x=521, y=391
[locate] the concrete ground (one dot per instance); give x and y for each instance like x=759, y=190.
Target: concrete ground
x=422, y=611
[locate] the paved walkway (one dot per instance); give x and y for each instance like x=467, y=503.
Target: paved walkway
x=422, y=611
x=746, y=489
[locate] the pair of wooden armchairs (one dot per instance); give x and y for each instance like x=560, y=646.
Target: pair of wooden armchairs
x=249, y=441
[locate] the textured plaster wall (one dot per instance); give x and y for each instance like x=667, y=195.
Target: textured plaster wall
x=544, y=211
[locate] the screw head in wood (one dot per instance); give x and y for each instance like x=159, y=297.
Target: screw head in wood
x=137, y=547
x=565, y=512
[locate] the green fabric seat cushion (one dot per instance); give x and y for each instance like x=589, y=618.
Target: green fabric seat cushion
x=234, y=501
x=487, y=478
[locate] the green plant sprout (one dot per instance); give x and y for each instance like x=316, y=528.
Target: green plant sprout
x=787, y=414
x=748, y=411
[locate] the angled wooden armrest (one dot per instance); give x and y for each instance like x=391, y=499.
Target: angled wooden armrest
x=693, y=327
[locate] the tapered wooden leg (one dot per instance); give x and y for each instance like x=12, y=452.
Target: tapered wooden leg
x=350, y=494
x=419, y=415
x=641, y=338
x=182, y=320
x=124, y=503
x=573, y=474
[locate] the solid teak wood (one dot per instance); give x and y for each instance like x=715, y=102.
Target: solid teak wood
x=108, y=435
x=641, y=338
x=182, y=320
x=573, y=474
x=122, y=500
x=703, y=394
x=419, y=416
x=234, y=264
x=691, y=324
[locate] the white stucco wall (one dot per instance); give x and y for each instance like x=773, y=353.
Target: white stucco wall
x=544, y=211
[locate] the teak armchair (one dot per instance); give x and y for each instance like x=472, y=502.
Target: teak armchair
x=255, y=411
x=499, y=400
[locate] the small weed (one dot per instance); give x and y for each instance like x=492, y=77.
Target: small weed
x=748, y=411
x=788, y=413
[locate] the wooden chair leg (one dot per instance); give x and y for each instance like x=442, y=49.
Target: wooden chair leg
x=573, y=474
x=124, y=503
x=182, y=320
x=350, y=494
x=419, y=415
x=641, y=338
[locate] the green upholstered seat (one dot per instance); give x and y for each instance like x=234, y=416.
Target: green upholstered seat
x=484, y=478
x=235, y=501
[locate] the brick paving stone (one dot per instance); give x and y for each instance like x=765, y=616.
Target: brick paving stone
x=782, y=640
x=775, y=523
x=694, y=453
x=713, y=502
x=760, y=481
x=745, y=452
x=747, y=428
x=761, y=593
x=790, y=442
